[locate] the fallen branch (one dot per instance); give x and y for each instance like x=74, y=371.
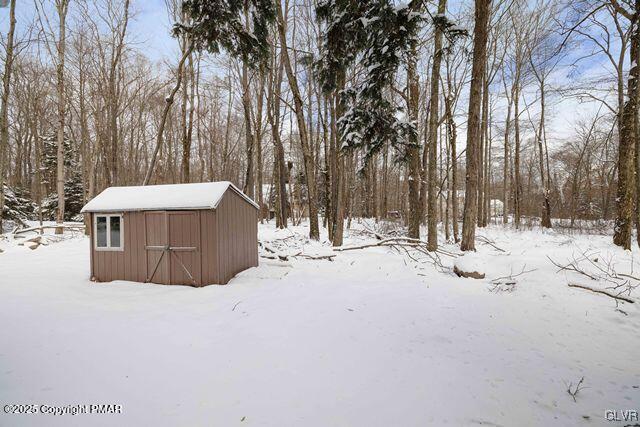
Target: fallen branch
x=573, y=393
x=407, y=241
x=405, y=245
x=571, y=267
x=44, y=227
x=315, y=257
x=603, y=292
x=508, y=283
x=491, y=243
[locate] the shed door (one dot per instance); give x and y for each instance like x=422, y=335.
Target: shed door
x=173, y=248
x=184, y=247
x=155, y=243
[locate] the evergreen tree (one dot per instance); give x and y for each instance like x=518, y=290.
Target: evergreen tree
x=218, y=25
x=73, y=200
x=17, y=207
x=50, y=159
x=377, y=34
x=73, y=188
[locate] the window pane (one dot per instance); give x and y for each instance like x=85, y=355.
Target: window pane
x=101, y=235
x=115, y=231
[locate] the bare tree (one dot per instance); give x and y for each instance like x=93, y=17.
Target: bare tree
x=482, y=12
x=4, y=101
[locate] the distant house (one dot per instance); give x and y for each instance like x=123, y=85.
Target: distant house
x=183, y=234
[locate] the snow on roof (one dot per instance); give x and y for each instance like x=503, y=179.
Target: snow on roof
x=206, y=195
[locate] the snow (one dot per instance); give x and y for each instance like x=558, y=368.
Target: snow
x=372, y=338
x=469, y=263
x=204, y=195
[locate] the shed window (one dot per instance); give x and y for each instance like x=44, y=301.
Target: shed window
x=108, y=232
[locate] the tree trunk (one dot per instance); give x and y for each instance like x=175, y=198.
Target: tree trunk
x=453, y=135
x=434, y=111
x=258, y=144
x=414, y=166
x=4, y=108
x=273, y=116
x=517, y=186
x=481, y=149
x=113, y=98
x=185, y=170
x=506, y=172
x=627, y=148
x=309, y=171
x=546, y=207
x=340, y=177
x=62, y=6
x=487, y=165
x=482, y=12
x=165, y=113
x=248, y=130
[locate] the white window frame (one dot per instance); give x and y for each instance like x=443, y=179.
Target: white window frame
x=95, y=232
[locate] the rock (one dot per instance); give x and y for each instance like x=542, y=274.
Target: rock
x=37, y=239
x=469, y=266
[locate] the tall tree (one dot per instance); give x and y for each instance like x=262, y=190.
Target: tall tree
x=217, y=25
x=480, y=33
x=413, y=151
x=379, y=35
x=298, y=107
x=4, y=106
x=440, y=23
x=57, y=47
x=628, y=143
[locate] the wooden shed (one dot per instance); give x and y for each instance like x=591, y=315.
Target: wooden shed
x=183, y=234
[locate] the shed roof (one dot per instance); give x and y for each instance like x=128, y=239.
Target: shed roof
x=206, y=195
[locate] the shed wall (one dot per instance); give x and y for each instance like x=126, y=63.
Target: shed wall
x=228, y=244
x=237, y=240
x=128, y=264
x=209, y=252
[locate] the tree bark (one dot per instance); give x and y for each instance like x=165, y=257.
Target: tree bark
x=62, y=7
x=165, y=113
x=273, y=116
x=113, y=98
x=415, y=163
x=482, y=12
x=481, y=148
x=434, y=111
x=627, y=163
x=546, y=205
x=453, y=189
x=248, y=130
x=309, y=171
x=517, y=185
x=4, y=108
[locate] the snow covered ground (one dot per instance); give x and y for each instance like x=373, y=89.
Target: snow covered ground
x=372, y=338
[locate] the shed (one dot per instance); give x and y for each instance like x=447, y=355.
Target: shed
x=182, y=234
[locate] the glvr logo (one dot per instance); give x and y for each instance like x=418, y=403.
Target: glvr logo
x=626, y=415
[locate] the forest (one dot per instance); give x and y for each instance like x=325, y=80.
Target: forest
x=426, y=113
x=319, y=212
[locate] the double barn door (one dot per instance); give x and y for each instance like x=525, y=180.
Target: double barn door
x=172, y=246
